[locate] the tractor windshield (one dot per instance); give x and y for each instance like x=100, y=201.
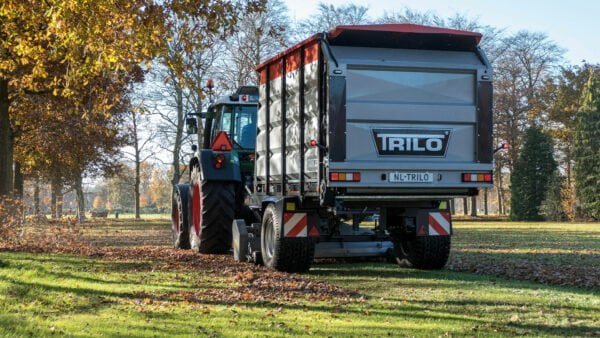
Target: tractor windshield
x=240, y=124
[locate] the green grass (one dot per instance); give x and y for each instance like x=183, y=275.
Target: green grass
x=44, y=294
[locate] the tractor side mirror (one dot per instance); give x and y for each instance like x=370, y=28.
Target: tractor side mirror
x=191, y=125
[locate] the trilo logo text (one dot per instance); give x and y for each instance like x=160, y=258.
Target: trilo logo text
x=411, y=142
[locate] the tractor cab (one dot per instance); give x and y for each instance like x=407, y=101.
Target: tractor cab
x=235, y=115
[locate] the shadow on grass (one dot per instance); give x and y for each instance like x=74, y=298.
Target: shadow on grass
x=452, y=310
x=365, y=272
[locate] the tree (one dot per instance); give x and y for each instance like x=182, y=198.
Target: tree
x=531, y=177
x=328, y=16
x=256, y=36
x=561, y=96
x=552, y=206
x=98, y=202
x=140, y=134
x=56, y=46
x=587, y=149
x=118, y=189
x=160, y=189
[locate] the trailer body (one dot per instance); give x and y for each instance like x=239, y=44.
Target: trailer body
x=405, y=110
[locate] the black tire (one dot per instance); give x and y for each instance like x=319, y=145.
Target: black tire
x=428, y=252
x=210, y=222
x=179, y=216
x=283, y=254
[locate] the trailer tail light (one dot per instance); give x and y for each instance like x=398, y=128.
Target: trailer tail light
x=219, y=161
x=479, y=177
x=344, y=177
x=222, y=142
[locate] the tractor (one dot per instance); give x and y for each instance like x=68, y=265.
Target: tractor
x=219, y=174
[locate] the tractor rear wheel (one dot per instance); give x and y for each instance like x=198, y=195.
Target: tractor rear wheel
x=283, y=254
x=428, y=252
x=179, y=216
x=212, y=211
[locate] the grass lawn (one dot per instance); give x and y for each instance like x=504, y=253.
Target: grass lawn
x=138, y=287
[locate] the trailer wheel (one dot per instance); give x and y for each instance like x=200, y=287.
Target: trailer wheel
x=283, y=254
x=429, y=252
x=179, y=216
x=212, y=212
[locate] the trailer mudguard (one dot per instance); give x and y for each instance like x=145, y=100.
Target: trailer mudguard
x=434, y=222
x=297, y=223
x=230, y=170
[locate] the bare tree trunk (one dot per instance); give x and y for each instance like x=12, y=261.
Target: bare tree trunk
x=6, y=142
x=568, y=159
x=474, y=206
x=452, y=207
x=18, y=182
x=179, y=133
x=80, y=199
x=137, y=166
x=499, y=188
x=53, y=195
x=137, y=189
x=56, y=198
x=59, y=204
x=36, y=196
x=465, y=207
x=485, y=201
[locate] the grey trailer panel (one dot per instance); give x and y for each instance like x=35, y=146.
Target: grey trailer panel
x=407, y=86
x=408, y=58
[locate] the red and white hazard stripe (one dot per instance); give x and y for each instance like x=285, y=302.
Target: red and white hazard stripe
x=439, y=223
x=295, y=224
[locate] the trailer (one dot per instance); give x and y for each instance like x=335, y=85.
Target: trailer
x=386, y=121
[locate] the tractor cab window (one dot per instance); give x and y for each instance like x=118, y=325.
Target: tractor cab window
x=239, y=122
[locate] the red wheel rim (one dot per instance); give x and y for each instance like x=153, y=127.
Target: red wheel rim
x=196, y=209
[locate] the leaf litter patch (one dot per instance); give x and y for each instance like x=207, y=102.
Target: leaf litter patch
x=245, y=282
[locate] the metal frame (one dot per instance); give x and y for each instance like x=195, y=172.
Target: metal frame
x=268, y=133
x=283, y=125
x=301, y=121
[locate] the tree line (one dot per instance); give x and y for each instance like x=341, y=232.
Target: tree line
x=87, y=88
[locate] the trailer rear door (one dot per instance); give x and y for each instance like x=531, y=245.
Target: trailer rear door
x=410, y=110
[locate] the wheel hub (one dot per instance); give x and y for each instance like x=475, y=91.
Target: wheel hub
x=269, y=239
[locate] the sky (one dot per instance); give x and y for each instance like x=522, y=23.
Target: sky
x=573, y=25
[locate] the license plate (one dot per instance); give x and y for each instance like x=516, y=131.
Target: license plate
x=397, y=177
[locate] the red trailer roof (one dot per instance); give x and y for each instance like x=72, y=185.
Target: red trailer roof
x=392, y=36
x=403, y=29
